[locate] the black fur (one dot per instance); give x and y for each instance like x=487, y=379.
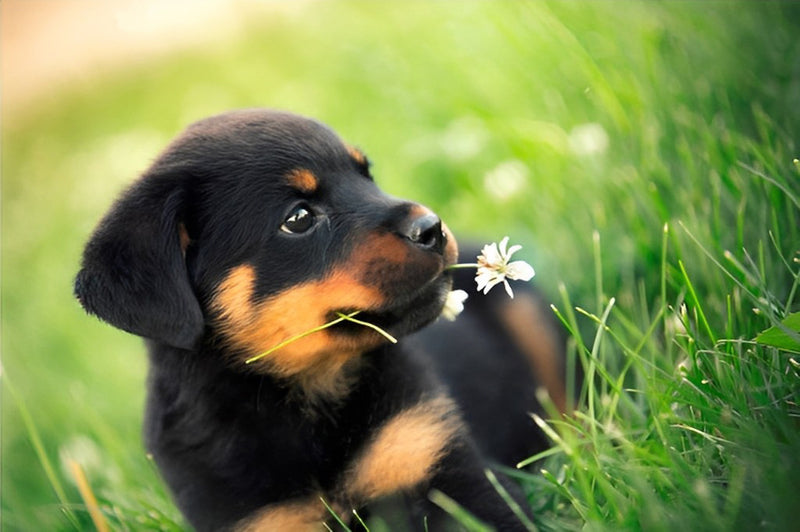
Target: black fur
x=232, y=439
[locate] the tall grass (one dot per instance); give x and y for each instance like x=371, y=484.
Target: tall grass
x=642, y=152
x=685, y=424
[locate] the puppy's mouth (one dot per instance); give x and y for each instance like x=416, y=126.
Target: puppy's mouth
x=401, y=317
x=415, y=290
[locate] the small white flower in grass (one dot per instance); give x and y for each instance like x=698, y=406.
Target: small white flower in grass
x=588, y=139
x=494, y=267
x=454, y=304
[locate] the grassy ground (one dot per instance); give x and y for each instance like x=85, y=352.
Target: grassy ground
x=642, y=153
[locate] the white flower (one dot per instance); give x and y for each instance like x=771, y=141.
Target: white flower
x=494, y=267
x=588, y=139
x=506, y=180
x=454, y=304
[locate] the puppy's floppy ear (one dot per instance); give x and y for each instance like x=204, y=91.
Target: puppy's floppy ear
x=134, y=274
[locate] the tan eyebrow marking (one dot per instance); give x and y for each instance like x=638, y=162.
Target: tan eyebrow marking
x=303, y=180
x=356, y=154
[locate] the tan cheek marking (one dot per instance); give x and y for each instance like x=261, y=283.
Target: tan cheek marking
x=378, y=247
x=531, y=331
x=256, y=328
x=405, y=451
x=304, y=516
x=387, y=249
x=303, y=180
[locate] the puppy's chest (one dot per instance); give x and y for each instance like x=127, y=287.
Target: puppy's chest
x=375, y=456
x=293, y=442
x=320, y=445
x=358, y=452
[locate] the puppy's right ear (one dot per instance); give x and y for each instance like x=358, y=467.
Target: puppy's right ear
x=134, y=274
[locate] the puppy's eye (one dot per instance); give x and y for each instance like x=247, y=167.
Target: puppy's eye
x=300, y=220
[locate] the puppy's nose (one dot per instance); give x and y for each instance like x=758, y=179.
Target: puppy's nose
x=425, y=232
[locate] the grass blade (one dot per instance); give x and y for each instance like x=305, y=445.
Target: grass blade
x=38, y=446
x=697, y=304
x=88, y=496
x=512, y=504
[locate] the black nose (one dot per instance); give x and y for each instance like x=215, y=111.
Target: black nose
x=425, y=231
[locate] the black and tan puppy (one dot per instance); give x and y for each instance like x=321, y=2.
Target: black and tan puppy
x=256, y=226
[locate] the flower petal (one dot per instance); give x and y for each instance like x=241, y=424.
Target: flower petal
x=454, y=304
x=489, y=255
x=488, y=282
x=512, y=250
x=503, y=244
x=483, y=277
x=492, y=284
x=508, y=289
x=520, y=270
x=457, y=297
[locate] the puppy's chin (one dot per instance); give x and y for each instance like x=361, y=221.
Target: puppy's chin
x=405, y=318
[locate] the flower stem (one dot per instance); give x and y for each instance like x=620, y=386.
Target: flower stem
x=341, y=318
x=370, y=325
x=461, y=266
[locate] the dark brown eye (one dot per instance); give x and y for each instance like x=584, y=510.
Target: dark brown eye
x=300, y=220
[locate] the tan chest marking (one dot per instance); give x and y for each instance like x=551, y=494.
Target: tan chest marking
x=404, y=452
x=306, y=515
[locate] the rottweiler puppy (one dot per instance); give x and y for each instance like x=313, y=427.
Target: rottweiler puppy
x=256, y=226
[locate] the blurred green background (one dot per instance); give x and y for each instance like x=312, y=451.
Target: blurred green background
x=547, y=121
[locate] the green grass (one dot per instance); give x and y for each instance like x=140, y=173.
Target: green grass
x=666, y=234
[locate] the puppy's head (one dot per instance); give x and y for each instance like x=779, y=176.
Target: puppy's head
x=254, y=227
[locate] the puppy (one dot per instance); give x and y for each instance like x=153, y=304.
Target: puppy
x=256, y=226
